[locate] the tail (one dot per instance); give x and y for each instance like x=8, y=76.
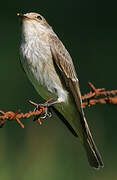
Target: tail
x=92, y=152
x=93, y=155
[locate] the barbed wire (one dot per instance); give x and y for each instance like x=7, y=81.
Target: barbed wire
x=95, y=96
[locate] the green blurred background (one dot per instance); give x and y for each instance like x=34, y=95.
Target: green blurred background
x=89, y=31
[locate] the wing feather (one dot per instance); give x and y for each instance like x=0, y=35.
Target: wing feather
x=64, y=61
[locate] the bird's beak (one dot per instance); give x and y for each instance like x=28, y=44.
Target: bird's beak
x=22, y=16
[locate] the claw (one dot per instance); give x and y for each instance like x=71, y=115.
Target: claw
x=46, y=114
x=37, y=107
x=45, y=110
x=49, y=114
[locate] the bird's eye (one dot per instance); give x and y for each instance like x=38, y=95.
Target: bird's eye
x=39, y=17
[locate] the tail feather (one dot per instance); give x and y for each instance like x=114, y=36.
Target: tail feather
x=93, y=155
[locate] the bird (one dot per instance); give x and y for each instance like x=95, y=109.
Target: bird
x=50, y=69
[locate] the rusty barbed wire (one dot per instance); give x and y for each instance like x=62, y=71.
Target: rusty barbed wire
x=10, y=115
x=95, y=96
x=99, y=96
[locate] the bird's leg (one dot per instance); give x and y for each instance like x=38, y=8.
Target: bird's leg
x=46, y=106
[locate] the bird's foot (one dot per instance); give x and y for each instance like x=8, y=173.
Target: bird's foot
x=45, y=110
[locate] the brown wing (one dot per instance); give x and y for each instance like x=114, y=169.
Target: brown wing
x=64, y=61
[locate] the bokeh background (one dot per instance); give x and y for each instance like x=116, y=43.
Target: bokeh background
x=89, y=31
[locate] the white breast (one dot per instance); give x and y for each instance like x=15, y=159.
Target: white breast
x=37, y=61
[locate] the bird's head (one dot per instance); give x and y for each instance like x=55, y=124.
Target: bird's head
x=33, y=23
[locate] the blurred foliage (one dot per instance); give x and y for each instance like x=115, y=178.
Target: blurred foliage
x=89, y=31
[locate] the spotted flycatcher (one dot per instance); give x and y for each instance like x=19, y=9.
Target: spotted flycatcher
x=49, y=67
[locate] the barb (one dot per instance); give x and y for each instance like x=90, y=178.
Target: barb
x=95, y=96
x=99, y=96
